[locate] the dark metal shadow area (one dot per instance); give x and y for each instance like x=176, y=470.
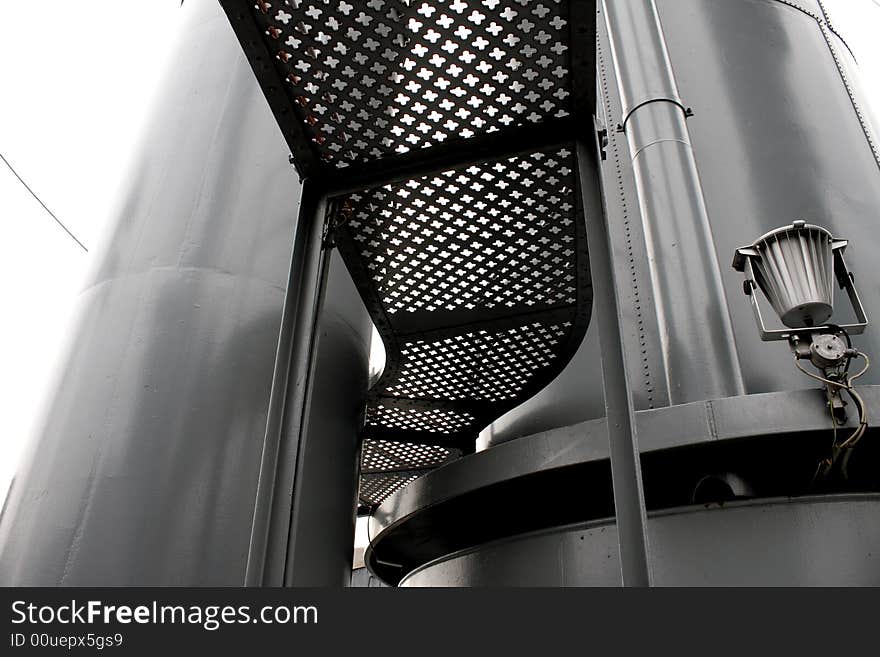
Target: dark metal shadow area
x=478, y=281
x=444, y=139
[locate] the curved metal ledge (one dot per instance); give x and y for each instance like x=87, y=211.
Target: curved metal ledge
x=714, y=545
x=531, y=470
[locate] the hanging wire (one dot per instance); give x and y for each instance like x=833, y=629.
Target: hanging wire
x=51, y=214
x=845, y=385
x=824, y=465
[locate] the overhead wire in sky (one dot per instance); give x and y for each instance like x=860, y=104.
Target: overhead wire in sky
x=51, y=214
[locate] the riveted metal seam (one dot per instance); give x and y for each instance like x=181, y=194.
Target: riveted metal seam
x=634, y=281
x=863, y=121
x=826, y=28
x=824, y=17
x=831, y=27
x=804, y=10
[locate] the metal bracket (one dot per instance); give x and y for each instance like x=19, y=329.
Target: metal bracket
x=603, y=142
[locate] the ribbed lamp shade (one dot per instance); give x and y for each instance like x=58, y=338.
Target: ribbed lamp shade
x=794, y=267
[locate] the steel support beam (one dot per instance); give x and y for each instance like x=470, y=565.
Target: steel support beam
x=449, y=155
x=437, y=324
x=289, y=396
x=626, y=473
x=261, y=59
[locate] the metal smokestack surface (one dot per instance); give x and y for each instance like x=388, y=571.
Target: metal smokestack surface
x=144, y=471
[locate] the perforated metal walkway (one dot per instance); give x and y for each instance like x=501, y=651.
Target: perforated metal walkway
x=446, y=129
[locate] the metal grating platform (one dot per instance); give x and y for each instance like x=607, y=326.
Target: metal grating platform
x=473, y=264
x=365, y=80
x=478, y=281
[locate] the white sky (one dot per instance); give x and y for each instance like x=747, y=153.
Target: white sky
x=77, y=77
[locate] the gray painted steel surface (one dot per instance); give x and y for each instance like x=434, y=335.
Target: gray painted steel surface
x=698, y=423
x=777, y=138
x=778, y=133
x=620, y=414
x=694, y=336
x=825, y=541
x=557, y=405
x=144, y=471
x=325, y=494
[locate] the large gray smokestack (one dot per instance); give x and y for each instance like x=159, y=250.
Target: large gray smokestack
x=145, y=470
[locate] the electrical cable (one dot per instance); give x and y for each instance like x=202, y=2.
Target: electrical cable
x=817, y=377
x=829, y=461
x=863, y=420
x=51, y=214
x=846, y=385
x=864, y=369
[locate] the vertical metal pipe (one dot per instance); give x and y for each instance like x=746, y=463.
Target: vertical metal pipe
x=326, y=482
x=691, y=306
x=267, y=553
x=626, y=472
